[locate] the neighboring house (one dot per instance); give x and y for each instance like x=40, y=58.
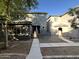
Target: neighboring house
x=60, y=21
x=38, y=18
x=65, y=22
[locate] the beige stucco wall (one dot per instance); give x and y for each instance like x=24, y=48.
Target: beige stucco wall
x=29, y=17
x=60, y=21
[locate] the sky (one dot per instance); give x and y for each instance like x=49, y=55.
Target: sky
x=55, y=7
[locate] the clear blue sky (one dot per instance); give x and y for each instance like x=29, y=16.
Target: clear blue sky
x=55, y=7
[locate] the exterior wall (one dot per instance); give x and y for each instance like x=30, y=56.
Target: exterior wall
x=29, y=17
x=38, y=19
x=65, y=20
x=60, y=21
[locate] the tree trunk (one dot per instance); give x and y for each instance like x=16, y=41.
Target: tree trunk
x=6, y=35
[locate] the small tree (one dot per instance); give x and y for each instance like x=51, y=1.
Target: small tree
x=72, y=12
x=12, y=9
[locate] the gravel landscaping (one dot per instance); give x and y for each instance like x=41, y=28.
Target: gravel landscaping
x=17, y=50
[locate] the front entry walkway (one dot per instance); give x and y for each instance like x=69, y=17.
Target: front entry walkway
x=35, y=52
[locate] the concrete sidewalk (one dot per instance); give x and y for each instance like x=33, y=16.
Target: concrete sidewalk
x=35, y=52
x=59, y=44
